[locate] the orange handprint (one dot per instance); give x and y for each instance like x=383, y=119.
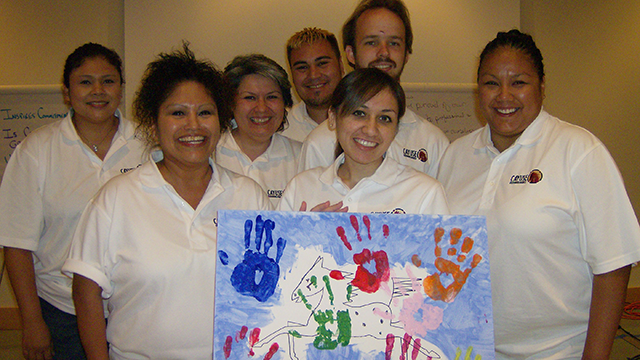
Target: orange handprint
x=432, y=284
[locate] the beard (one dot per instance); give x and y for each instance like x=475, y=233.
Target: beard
x=318, y=101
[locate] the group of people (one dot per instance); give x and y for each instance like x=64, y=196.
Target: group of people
x=111, y=249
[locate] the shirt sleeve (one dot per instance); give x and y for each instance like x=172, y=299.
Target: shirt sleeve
x=21, y=204
x=88, y=253
x=287, y=200
x=608, y=227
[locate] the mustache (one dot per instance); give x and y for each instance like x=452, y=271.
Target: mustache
x=382, y=61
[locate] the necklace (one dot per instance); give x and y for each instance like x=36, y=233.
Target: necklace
x=94, y=146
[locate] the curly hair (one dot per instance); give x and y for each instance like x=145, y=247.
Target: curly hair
x=161, y=78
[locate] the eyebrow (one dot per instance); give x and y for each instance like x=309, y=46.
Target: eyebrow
x=96, y=77
x=377, y=36
x=363, y=106
x=302, y=62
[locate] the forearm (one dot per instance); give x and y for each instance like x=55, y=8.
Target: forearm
x=36, y=338
x=607, y=302
x=90, y=312
x=21, y=272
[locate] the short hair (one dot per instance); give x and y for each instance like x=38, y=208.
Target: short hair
x=395, y=6
x=310, y=36
x=163, y=76
x=259, y=64
x=516, y=40
x=89, y=51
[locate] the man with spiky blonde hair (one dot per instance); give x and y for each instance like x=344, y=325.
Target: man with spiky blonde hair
x=316, y=69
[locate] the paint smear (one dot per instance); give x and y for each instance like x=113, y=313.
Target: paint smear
x=343, y=237
x=336, y=274
x=467, y=244
x=387, y=352
x=227, y=347
x=242, y=333
x=415, y=259
x=367, y=223
x=356, y=227
x=416, y=349
x=455, y=235
x=405, y=345
x=254, y=337
x=272, y=350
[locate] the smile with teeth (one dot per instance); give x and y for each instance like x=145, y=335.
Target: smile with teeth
x=192, y=139
x=365, y=143
x=316, y=86
x=260, y=120
x=507, y=111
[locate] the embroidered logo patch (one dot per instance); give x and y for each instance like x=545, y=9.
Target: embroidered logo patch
x=275, y=193
x=533, y=177
x=421, y=154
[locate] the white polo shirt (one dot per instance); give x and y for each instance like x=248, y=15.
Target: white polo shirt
x=154, y=257
x=418, y=144
x=272, y=170
x=557, y=213
x=48, y=181
x=300, y=123
x=393, y=188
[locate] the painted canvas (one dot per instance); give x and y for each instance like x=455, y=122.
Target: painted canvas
x=293, y=285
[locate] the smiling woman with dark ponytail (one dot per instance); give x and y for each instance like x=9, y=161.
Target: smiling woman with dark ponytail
x=562, y=232
x=49, y=179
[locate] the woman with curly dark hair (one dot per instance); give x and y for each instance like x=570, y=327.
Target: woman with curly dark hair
x=147, y=241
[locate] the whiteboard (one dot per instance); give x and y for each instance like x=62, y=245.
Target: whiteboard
x=22, y=110
x=451, y=107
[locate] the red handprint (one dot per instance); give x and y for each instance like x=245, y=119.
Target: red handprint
x=432, y=284
x=365, y=280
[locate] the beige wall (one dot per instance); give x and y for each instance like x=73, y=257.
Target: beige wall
x=37, y=36
x=448, y=35
x=591, y=52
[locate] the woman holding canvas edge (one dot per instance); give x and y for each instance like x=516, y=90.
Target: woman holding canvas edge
x=48, y=181
x=147, y=241
x=562, y=232
x=365, y=109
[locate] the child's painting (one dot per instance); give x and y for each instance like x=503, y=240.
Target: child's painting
x=292, y=285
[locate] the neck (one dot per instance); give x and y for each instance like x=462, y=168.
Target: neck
x=351, y=172
x=251, y=147
x=502, y=143
x=318, y=113
x=97, y=136
x=190, y=182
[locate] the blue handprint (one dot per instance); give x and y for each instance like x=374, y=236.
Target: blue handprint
x=257, y=275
